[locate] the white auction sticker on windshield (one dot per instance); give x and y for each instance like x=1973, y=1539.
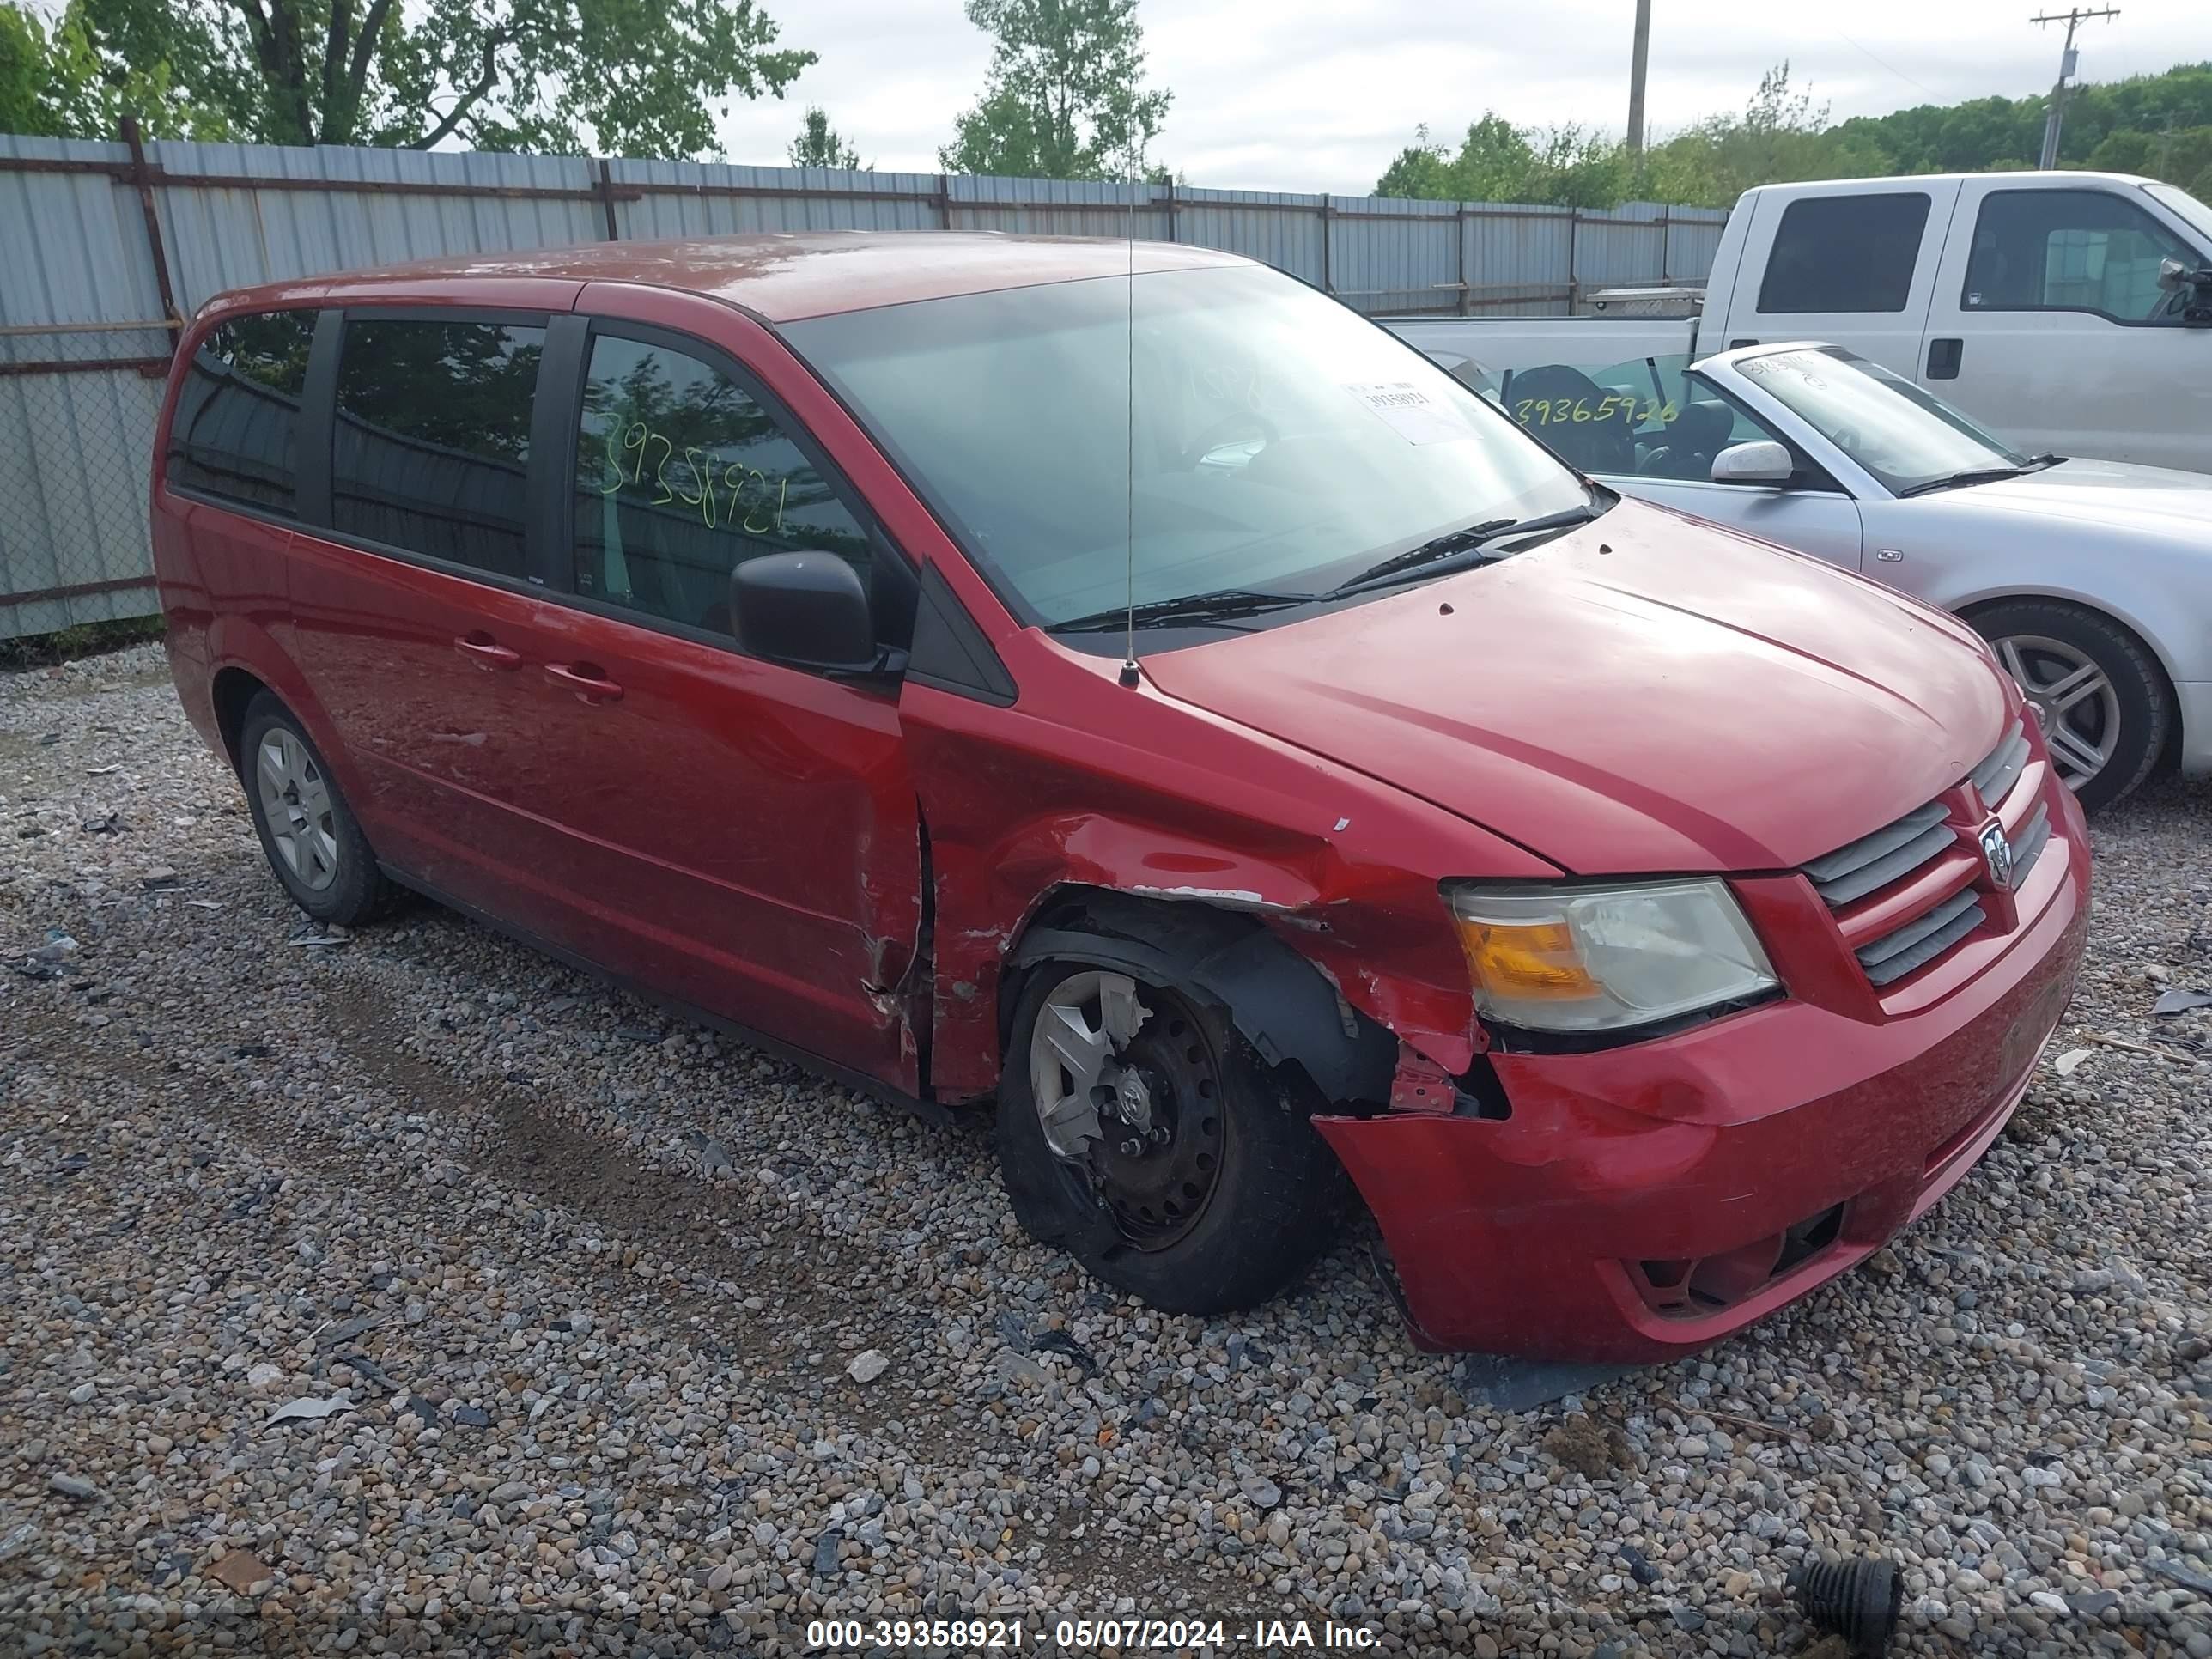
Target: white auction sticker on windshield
x=1409, y=411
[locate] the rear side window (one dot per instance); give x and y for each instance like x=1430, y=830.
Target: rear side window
x=430, y=450
x=2070, y=250
x=236, y=431
x=680, y=476
x=1844, y=253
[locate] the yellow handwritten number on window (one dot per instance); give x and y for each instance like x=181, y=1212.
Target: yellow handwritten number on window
x=755, y=505
x=1562, y=412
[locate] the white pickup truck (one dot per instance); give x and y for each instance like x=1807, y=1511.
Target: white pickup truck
x=2070, y=311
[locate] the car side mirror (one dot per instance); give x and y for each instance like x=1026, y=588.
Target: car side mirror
x=1762, y=462
x=805, y=610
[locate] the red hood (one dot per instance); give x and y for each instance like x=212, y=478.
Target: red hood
x=1647, y=694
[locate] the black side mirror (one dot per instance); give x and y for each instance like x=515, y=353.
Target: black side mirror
x=806, y=611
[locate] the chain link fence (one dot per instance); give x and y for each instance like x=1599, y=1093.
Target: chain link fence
x=76, y=404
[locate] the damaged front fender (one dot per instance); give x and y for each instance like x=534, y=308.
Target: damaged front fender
x=1340, y=872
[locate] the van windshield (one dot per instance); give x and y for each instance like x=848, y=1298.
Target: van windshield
x=1218, y=428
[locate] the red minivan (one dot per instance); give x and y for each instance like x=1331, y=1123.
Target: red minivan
x=1121, y=682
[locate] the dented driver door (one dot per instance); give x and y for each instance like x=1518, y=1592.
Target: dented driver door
x=739, y=834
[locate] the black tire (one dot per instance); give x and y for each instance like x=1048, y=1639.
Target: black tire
x=1278, y=1194
x=2142, y=701
x=356, y=890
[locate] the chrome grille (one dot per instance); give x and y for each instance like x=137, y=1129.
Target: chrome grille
x=1897, y=851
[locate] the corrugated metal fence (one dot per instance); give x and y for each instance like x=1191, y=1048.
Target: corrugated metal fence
x=106, y=246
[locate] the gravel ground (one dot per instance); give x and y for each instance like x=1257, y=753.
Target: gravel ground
x=579, y=1297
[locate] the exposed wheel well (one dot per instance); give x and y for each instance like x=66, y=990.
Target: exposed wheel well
x=234, y=688
x=1283, y=1005
x=2170, y=751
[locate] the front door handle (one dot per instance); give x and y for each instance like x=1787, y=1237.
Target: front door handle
x=482, y=647
x=1943, y=358
x=586, y=679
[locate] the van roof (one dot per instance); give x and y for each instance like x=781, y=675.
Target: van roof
x=781, y=277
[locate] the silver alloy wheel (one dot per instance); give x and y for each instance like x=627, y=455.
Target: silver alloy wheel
x=2073, y=699
x=1085, y=1023
x=296, y=803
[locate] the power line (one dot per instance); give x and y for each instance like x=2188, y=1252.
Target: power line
x=2067, y=59
x=1885, y=63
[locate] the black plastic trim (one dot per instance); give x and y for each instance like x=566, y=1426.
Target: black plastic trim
x=950, y=653
x=549, y=546
x=318, y=419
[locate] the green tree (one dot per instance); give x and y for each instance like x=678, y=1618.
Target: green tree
x=2159, y=125
x=1422, y=171
x=821, y=145
x=1567, y=166
x=636, y=77
x=1497, y=162
x=26, y=73
x=55, y=81
x=1065, y=97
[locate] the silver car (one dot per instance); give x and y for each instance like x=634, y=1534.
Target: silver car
x=2092, y=580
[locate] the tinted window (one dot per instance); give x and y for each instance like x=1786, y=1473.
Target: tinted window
x=1845, y=254
x=2070, y=250
x=431, y=448
x=680, y=478
x=237, y=427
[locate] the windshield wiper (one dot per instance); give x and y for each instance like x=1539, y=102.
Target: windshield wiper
x=1223, y=605
x=1457, y=545
x=1981, y=475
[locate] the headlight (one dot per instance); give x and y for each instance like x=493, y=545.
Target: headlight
x=1606, y=958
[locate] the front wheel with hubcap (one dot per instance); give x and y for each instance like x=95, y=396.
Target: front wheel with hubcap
x=2099, y=696
x=1137, y=1130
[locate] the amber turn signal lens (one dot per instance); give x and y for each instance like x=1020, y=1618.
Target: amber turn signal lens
x=1526, y=961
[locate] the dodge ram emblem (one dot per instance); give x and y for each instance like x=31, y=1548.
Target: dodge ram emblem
x=1996, y=853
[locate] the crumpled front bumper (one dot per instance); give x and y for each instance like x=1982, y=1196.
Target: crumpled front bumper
x=1642, y=1202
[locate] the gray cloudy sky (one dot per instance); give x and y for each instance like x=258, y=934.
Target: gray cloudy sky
x=1303, y=94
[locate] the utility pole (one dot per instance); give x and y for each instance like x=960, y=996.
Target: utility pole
x=1639, y=60
x=2068, y=57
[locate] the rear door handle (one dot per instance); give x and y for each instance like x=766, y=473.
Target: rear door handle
x=1943, y=358
x=586, y=679
x=482, y=647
